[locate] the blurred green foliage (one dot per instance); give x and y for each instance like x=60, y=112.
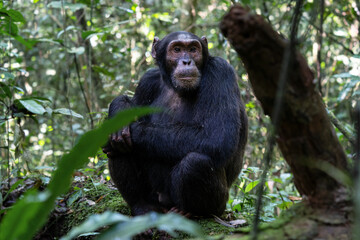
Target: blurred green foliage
x=62, y=62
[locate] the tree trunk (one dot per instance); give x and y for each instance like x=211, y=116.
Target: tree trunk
x=188, y=15
x=305, y=135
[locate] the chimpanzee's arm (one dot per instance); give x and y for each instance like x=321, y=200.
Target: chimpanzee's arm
x=145, y=93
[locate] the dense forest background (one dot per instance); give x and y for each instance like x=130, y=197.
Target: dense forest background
x=62, y=62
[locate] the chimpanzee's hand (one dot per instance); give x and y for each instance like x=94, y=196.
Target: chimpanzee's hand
x=121, y=140
x=108, y=150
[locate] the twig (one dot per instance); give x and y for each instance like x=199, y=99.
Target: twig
x=343, y=130
x=320, y=40
x=356, y=226
x=67, y=71
x=83, y=91
x=7, y=122
x=331, y=37
x=286, y=63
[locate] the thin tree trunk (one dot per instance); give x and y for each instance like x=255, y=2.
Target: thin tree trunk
x=188, y=15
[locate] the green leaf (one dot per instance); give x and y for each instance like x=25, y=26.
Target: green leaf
x=285, y=205
x=75, y=196
x=95, y=222
x=346, y=75
x=19, y=90
x=77, y=50
x=29, y=213
x=85, y=34
x=251, y=185
x=103, y=71
x=13, y=187
x=7, y=75
x=4, y=88
x=71, y=27
x=15, y=16
x=57, y=42
x=72, y=6
x=89, y=2
x=11, y=29
x=349, y=86
x=66, y=111
x=29, y=43
x=126, y=227
x=33, y=106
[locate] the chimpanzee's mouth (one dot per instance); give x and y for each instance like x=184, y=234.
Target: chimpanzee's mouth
x=187, y=79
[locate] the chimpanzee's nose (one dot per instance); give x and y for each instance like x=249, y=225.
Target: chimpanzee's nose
x=186, y=61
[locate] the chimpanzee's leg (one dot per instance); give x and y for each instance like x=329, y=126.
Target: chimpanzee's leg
x=129, y=172
x=197, y=188
x=131, y=179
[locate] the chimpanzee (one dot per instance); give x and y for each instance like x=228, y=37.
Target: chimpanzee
x=185, y=158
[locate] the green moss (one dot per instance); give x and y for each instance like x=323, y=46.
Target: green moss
x=212, y=228
x=94, y=200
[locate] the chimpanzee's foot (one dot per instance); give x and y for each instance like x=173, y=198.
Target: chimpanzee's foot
x=143, y=208
x=181, y=212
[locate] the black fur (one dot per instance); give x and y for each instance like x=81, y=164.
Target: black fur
x=189, y=155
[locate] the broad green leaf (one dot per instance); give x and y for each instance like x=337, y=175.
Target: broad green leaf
x=95, y=222
x=11, y=29
x=49, y=40
x=278, y=180
x=346, y=75
x=349, y=86
x=36, y=98
x=7, y=75
x=71, y=27
x=103, y=71
x=356, y=93
x=4, y=88
x=29, y=213
x=13, y=187
x=18, y=90
x=75, y=196
x=29, y=43
x=85, y=34
x=66, y=111
x=251, y=185
x=77, y=50
x=33, y=106
x=89, y=2
x=15, y=16
x=126, y=9
x=126, y=227
x=285, y=205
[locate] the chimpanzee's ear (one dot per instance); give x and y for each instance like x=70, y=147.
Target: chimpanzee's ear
x=153, y=51
x=203, y=38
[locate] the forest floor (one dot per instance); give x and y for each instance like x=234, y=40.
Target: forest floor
x=92, y=195
x=88, y=197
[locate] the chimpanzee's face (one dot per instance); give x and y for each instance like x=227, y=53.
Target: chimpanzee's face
x=184, y=61
x=181, y=57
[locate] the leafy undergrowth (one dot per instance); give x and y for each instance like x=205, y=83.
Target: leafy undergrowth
x=88, y=197
x=303, y=222
x=93, y=204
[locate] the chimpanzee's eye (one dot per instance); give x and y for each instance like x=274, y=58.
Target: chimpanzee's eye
x=176, y=49
x=193, y=49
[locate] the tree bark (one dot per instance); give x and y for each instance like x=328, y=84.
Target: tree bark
x=305, y=135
